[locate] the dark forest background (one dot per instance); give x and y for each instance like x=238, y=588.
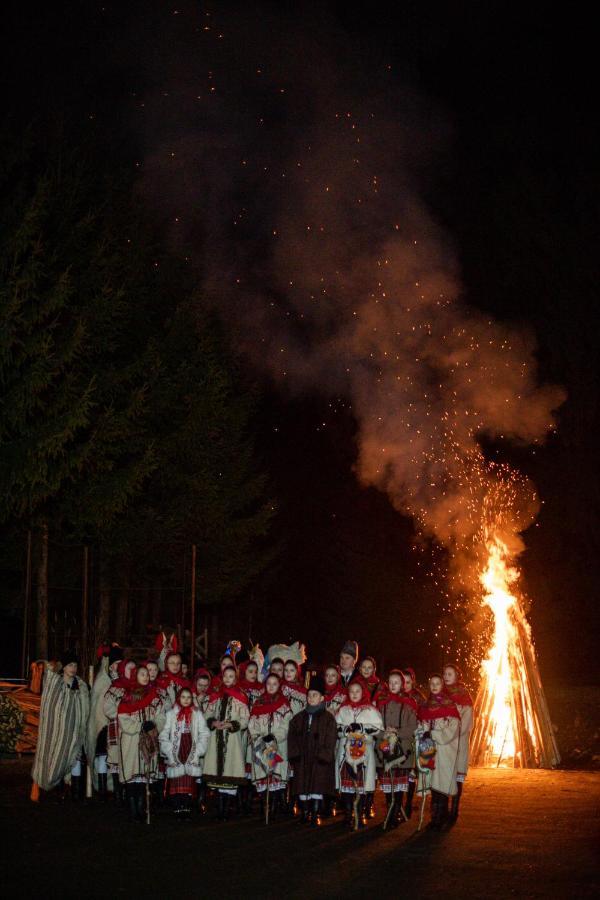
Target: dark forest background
x=130, y=427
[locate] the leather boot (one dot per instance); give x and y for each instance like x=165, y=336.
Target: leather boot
x=219, y=814
x=409, y=799
x=455, y=803
x=400, y=805
x=140, y=803
x=392, y=821
x=363, y=817
x=201, y=799
x=433, y=823
x=316, y=819
x=348, y=811
x=369, y=806
x=303, y=818
x=76, y=788
x=131, y=794
x=102, y=786
x=226, y=801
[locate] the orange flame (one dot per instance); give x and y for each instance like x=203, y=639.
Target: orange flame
x=514, y=724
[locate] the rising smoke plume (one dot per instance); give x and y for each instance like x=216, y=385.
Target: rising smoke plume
x=291, y=167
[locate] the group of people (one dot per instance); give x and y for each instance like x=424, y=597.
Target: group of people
x=301, y=744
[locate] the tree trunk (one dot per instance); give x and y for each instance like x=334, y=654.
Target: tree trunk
x=41, y=595
x=103, y=618
x=122, y=610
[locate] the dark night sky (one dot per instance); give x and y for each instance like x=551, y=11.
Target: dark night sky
x=515, y=187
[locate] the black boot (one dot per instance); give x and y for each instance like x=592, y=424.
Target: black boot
x=348, y=811
x=131, y=791
x=455, y=803
x=369, y=806
x=442, y=810
x=201, y=802
x=400, y=806
x=302, y=804
x=392, y=821
x=433, y=823
x=140, y=801
x=363, y=817
x=76, y=788
x=218, y=816
x=226, y=801
x=409, y=799
x=102, y=786
x=316, y=819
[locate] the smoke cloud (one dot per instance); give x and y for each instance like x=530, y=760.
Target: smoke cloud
x=292, y=166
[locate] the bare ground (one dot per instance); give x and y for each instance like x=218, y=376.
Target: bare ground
x=520, y=834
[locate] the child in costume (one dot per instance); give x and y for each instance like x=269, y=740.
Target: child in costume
x=359, y=724
x=268, y=731
x=395, y=747
x=292, y=686
x=312, y=740
x=227, y=717
x=335, y=694
x=464, y=703
x=441, y=719
x=183, y=743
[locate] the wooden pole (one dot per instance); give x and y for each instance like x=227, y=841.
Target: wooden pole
x=89, y=791
x=193, y=611
x=26, y=605
x=85, y=605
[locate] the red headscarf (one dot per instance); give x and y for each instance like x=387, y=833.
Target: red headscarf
x=267, y=703
x=166, y=678
x=438, y=706
x=233, y=690
x=184, y=713
x=124, y=681
x=363, y=703
x=136, y=697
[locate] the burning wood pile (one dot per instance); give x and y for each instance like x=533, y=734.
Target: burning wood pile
x=513, y=726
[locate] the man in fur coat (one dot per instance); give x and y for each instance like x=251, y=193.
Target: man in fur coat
x=312, y=738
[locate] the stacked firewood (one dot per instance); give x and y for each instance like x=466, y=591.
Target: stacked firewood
x=29, y=705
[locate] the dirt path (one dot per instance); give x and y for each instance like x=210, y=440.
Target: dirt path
x=521, y=834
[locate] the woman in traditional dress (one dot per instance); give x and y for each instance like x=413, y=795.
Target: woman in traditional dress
x=457, y=691
x=201, y=689
x=359, y=724
x=268, y=730
x=292, y=686
x=227, y=718
x=122, y=674
x=249, y=682
x=441, y=719
x=225, y=662
x=64, y=711
x=399, y=714
x=276, y=666
x=183, y=743
x=171, y=680
x=312, y=739
x=368, y=677
x=141, y=717
x=335, y=694
x=411, y=688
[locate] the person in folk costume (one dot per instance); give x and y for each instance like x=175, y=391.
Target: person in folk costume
x=456, y=690
x=268, y=725
x=335, y=694
x=64, y=711
x=96, y=747
x=399, y=714
x=201, y=689
x=292, y=686
x=166, y=642
x=171, y=680
x=357, y=715
x=276, y=667
x=254, y=690
x=185, y=670
x=348, y=663
x=183, y=743
x=153, y=670
x=441, y=718
x=312, y=740
x=225, y=662
x=410, y=687
x=249, y=683
x=157, y=786
x=122, y=673
x=367, y=675
x=141, y=717
x=227, y=718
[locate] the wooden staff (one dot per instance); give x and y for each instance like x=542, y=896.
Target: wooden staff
x=90, y=762
x=393, y=801
x=267, y=800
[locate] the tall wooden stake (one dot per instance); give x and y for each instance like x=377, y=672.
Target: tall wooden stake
x=26, y=605
x=193, y=611
x=85, y=604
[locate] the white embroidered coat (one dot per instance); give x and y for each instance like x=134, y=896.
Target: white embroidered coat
x=170, y=740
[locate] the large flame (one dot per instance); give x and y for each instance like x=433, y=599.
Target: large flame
x=513, y=726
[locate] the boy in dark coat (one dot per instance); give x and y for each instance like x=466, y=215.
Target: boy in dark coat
x=312, y=738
